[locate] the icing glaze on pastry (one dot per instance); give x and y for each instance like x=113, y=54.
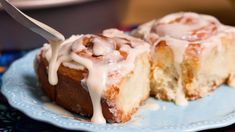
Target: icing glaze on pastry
x=107, y=57
x=179, y=30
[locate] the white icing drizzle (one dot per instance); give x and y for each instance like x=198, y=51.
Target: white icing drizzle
x=53, y=79
x=107, y=57
x=180, y=96
x=52, y=52
x=178, y=47
x=96, y=83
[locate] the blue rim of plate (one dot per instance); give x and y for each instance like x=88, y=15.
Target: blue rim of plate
x=9, y=82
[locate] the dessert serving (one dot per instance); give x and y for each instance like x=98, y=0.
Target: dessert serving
x=104, y=76
x=191, y=55
x=180, y=57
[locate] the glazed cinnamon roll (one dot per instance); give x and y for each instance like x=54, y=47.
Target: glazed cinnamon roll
x=192, y=54
x=100, y=76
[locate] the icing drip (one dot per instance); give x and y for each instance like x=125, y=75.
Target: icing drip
x=180, y=97
x=104, y=57
x=96, y=83
x=53, y=79
x=52, y=54
x=107, y=57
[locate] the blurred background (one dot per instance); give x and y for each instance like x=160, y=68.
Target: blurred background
x=92, y=16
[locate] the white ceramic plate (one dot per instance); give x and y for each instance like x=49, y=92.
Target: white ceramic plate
x=217, y=110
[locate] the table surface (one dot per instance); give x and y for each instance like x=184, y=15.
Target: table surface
x=14, y=120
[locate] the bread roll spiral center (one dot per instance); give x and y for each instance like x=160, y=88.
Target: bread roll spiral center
x=186, y=26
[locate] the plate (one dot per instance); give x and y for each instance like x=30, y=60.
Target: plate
x=216, y=110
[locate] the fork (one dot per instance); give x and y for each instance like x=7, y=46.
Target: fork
x=54, y=37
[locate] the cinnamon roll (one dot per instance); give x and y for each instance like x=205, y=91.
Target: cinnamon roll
x=192, y=54
x=101, y=76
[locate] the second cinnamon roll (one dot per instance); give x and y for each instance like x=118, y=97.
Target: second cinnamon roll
x=192, y=54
